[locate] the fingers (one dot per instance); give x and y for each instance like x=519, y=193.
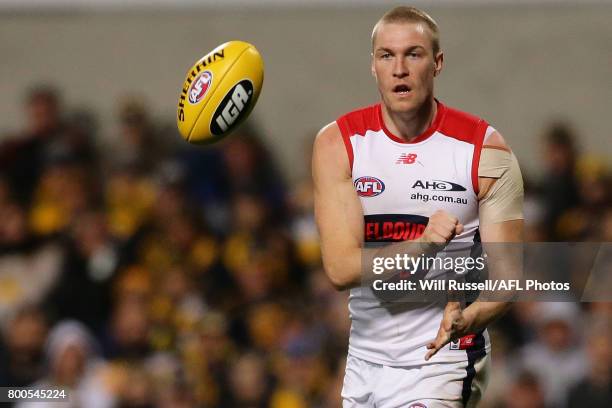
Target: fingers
x=442, y=228
x=443, y=215
x=433, y=349
x=452, y=306
x=451, y=322
x=441, y=340
x=458, y=229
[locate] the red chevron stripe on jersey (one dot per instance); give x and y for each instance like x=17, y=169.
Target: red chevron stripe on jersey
x=449, y=122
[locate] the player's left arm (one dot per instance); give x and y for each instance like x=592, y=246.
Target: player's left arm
x=500, y=201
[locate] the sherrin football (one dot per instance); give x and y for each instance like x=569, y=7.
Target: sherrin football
x=219, y=92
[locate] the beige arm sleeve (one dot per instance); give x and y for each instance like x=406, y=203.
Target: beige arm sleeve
x=504, y=200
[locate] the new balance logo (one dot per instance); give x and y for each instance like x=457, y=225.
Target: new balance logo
x=406, y=158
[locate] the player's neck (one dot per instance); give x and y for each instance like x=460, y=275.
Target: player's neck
x=409, y=125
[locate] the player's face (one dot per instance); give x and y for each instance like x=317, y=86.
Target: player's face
x=404, y=65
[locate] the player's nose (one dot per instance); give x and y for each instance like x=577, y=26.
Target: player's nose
x=400, y=68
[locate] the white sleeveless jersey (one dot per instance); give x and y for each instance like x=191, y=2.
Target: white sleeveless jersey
x=400, y=185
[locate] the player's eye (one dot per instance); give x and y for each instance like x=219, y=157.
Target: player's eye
x=414, y=55
x=386, y=55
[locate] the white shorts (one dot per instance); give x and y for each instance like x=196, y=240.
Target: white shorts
x=430, y=385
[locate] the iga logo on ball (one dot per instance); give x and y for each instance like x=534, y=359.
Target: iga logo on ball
x=199, y=87
x=235, y=103
x=219, y=92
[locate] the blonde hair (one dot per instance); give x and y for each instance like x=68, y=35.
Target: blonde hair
x=406, y=14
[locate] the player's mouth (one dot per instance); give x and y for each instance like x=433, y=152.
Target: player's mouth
x=401, y=90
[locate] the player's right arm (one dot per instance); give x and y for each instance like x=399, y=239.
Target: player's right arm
x=338, y=211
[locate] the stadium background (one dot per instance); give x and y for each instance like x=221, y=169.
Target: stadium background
x=146, y=272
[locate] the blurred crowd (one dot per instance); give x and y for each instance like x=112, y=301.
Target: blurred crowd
x=140, y=271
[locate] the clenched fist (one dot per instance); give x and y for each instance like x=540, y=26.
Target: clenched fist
x=440, y=230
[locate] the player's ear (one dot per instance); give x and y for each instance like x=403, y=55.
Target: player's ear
x=438, y=63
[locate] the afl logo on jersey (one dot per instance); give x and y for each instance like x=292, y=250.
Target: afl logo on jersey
x=369, y=186
x=199, y=87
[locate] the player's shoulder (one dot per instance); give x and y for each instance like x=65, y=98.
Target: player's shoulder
x=462, y=125
x=329, y=152
x=468, y=126
x=361, y=113
x=360, y=120
x=333, y=138
x=472, y=128
x=328, y=135
x=495, y=140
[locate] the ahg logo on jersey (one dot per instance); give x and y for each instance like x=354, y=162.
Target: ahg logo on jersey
x=438, y=185
x=406, y=158
x=369, y=186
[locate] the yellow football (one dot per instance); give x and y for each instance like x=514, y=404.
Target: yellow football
x=219, y=92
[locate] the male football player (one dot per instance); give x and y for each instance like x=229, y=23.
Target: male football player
x=411, y=169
